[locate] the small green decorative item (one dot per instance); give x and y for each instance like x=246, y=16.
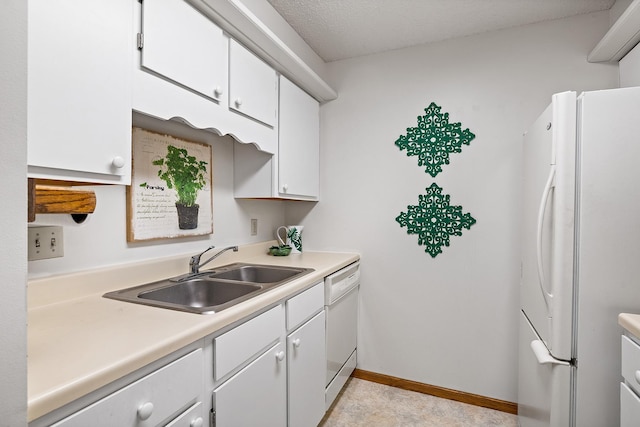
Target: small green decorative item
x=434, y=220
x=434, y=139
x=186, y=175
x=282, y=250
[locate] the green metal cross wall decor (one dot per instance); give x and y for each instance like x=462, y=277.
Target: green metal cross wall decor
x=434, y=139
x=434, y=220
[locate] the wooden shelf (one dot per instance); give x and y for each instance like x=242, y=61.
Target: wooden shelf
x=58, y=199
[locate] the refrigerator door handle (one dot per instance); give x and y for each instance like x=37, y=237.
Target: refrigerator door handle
x=543, y=207
x=543, y=355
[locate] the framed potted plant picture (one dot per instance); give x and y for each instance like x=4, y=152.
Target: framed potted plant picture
x=171, y=192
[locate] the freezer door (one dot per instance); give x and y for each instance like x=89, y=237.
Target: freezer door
x=543, y=388
x=547, y=227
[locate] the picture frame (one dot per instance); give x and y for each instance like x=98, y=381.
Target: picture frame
x=171, y=191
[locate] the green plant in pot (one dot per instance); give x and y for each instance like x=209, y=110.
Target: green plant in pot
x=186, y=175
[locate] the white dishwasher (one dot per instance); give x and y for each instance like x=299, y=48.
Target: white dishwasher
x=341, y=307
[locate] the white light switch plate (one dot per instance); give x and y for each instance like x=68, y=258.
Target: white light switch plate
x=45, y=242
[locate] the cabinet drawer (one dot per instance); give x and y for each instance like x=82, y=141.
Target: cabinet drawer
x=163, y=394
x=304, y=306
x=629, y=407
x=242, y=343
x=192, y=417
x=631, y=363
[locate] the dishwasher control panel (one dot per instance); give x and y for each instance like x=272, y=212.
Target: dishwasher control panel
x=340, y=282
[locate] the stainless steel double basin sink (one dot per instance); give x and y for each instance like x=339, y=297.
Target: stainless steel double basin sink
x=210, y=291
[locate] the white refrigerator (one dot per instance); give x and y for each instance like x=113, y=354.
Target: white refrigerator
x=580, y=256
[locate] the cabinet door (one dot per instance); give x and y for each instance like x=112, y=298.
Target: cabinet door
x=79, y=90
x=306, y=366
x=253, y=85
x=255, y=396
x=183, y=45
x=298, y=151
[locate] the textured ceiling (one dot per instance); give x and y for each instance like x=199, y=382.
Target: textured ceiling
x=339, y=29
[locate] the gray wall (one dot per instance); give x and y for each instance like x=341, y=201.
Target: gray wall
x=450, y=321
x=13, y=273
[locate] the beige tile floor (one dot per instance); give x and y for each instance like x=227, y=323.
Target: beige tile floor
x=365, y=403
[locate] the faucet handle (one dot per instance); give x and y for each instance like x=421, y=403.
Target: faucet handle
x=195, y=260
x=203, y=252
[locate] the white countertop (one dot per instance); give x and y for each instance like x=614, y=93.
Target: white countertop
x=79, y=341
x=631, y=322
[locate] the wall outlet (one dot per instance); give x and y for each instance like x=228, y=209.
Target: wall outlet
x=254, y=226
x=45, y=243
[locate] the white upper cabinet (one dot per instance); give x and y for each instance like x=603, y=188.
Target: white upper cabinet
x=181, y=44
x=294, y=173
x=253, y=85
x=182, y=71
x=79, y=90
x=299, y=142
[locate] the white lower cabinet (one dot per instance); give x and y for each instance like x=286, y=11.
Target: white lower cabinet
x=240, y=345
x=255, y=396
x=629, y=407
x=270, y=370
x=267, y=371
x=306, y=362
x=306, y=357
x=250, y=373
x=156, y=399
x=192, y=417
x=630, y=386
